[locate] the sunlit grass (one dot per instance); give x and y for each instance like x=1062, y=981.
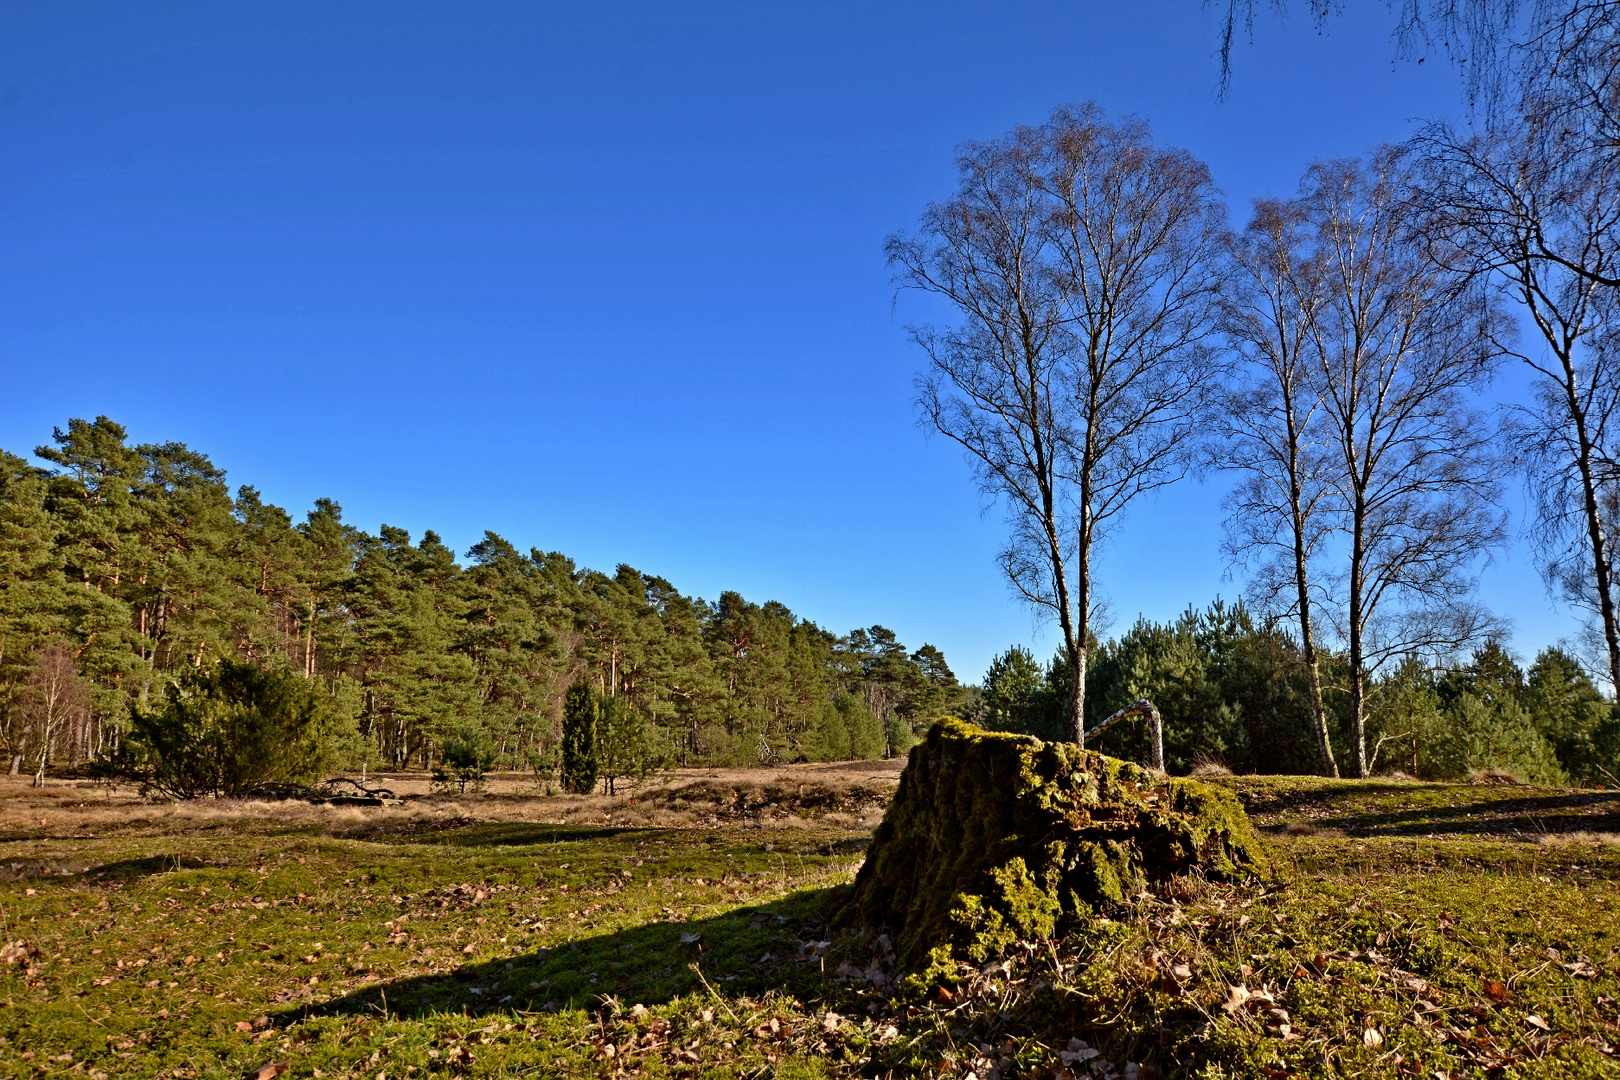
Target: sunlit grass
x=1401, y=936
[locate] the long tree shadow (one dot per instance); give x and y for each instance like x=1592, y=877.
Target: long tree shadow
x=750, y=950
x=85, y=869
x=150, y=866
x=1535, y=814
x=1473, y=810
x=504, y=834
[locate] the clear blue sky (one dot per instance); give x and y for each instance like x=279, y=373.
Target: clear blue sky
x=606, y=278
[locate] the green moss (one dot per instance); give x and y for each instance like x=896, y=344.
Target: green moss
x=1022, y=909
x=994, y=837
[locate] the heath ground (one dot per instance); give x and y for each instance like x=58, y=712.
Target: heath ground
x=684, y=928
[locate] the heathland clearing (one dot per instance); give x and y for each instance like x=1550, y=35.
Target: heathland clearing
x=680, y=930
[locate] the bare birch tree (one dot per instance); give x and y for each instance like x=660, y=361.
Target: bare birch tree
x=1569, y=117
x=1273, y=426
x=1138, y=236
x=1081, y=259
x=54, y=701
x=1397, y=343
x=1532, y=204
x=996, y=381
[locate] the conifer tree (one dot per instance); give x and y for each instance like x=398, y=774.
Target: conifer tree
x=579, y=754
x=140, y=561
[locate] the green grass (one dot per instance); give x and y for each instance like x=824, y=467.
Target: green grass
x=1411, y=808
x=1422, y=914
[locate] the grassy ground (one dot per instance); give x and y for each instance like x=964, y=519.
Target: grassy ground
x=1408, y=930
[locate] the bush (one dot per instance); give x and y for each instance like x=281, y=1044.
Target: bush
x=229, y=730
x=466, y=757
x=543, y=763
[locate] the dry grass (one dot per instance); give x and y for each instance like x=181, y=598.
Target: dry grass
x=1605, y=839
x=850, y=795
x=1495, y=776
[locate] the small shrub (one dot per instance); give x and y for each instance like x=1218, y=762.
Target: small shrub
x=543, y=763
x=466, y=757
x=226, y=731
x=628, y=744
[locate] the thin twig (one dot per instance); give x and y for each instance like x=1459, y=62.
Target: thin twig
x=713, y=993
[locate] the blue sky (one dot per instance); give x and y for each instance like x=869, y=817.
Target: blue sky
x=607, y=278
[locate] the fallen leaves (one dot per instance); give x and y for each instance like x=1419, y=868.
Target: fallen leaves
x=1078, y=1050
x=1241, y=997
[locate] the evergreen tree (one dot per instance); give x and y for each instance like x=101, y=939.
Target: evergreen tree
x=142, y=564
x=869, y=737
x=1570, y=713
x=580, y=764
x=227, y=730
x=466, y=757
x=1190, y=671
x=628, y=745
x=33, y=592
x=1015, y=695
x=1460, y=723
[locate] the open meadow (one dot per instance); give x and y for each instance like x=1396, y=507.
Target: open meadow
x=1407, y=929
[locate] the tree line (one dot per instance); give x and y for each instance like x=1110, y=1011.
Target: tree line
x=1234, y=694
x=1334, y=356
x=129, y=573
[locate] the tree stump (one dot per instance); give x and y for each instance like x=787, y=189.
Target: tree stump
x=994, y=838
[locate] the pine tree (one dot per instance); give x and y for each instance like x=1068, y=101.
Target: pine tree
x=140, y=562
x=1013, y=691
x=1571, y=714
x=628, y=745
x=580, y=766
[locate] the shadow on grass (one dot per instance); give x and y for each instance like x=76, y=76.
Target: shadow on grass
x=1450, y=809
x=88, y=870
x=1535, y=815
x=150, y=866
x=747, y=950
x=507, y=834
x=532, y=834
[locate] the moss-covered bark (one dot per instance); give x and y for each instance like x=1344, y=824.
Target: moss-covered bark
x=993, y=838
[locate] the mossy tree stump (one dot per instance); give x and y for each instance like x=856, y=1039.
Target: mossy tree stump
x=994, y=838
